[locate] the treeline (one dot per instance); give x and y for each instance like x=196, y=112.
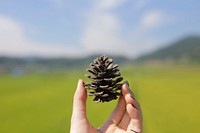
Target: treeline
x=9, y=64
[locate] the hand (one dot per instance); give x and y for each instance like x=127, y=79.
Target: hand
x=125, y=118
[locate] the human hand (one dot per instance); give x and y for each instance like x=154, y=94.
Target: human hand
x=125, y=118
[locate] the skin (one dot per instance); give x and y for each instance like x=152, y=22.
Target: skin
x=125, y=118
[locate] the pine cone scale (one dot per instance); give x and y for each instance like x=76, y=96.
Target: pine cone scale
x=106, y=78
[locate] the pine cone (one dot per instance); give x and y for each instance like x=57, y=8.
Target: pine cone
x=105, y=78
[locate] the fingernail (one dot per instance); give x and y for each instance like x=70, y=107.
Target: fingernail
x=127, y=84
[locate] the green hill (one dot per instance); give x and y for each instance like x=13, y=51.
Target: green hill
x=184, y=50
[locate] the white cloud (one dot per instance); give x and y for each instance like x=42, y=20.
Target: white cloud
x=139, y=4
x=102, y=29
x=102, y=33
x=153, y=19
x=142, y=34
x=58, y=3
x=109, y=4
x=14, y=42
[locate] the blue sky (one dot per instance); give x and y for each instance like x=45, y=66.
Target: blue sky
x=54, y=28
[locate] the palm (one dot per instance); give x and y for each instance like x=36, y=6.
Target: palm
x=126, y=117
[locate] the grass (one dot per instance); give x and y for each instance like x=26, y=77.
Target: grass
x=42, y=103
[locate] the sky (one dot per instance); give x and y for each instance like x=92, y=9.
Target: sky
x=72, y=28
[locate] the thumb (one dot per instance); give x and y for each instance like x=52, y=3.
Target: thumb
x=79, y=105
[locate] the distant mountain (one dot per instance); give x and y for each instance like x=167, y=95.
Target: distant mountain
x=185, y=50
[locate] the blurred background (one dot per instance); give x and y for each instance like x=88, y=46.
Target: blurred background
x=46, y=45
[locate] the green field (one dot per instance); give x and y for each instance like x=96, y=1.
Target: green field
x=42, y=103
